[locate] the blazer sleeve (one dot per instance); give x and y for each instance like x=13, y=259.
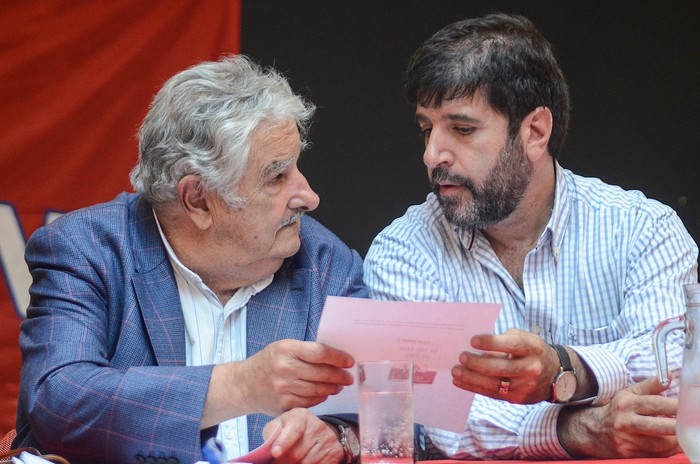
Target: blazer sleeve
x=91, y=389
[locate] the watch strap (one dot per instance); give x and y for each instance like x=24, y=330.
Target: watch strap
x=564, y=359
x=564, y=383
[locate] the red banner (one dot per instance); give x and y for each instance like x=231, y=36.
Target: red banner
x=76, y=79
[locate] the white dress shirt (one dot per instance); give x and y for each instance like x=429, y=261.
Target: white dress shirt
x=215, y=334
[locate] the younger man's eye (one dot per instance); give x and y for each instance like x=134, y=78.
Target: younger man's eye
x=464, y=130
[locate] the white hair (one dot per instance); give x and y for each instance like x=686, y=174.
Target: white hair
x=202, y=121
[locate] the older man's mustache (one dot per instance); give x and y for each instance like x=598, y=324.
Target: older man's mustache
x=293, y=218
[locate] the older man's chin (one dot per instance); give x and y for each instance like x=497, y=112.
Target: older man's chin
x=288, y=237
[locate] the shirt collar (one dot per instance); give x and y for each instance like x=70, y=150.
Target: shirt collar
x=561, y=211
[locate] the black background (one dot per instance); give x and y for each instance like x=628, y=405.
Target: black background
x=632, y=69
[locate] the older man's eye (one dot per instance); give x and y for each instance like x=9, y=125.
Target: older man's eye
x=277, y=179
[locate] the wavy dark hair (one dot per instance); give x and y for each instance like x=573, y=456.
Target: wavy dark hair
x=505, y=57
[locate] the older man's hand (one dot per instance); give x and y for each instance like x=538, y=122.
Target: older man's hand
x=291, y=373
x=284, y=375
x=304, y=439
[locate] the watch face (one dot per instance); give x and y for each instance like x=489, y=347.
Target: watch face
x=564, y=386
x=352, y=442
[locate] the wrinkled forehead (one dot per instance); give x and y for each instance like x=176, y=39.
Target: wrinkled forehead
x=276, y=133
x=274, y=142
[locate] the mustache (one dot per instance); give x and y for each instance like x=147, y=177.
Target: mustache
x=293, y=218
x=441, y=174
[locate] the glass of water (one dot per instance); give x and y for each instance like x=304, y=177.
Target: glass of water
x=386, y=411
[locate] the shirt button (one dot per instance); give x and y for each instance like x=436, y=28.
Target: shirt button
x=535, y=329
x=229, y=434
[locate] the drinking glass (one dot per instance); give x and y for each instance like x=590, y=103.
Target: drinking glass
x=386, y=411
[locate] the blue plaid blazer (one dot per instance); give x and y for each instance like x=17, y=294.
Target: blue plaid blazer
x=103, y=374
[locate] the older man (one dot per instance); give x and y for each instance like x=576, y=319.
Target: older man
x=584, y=270
x=195, y=302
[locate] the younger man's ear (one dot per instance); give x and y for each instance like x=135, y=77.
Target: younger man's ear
x=535, y=131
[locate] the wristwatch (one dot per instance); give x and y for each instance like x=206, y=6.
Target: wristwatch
x=348, y=439
x=565, y=382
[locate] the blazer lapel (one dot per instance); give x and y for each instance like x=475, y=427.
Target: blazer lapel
x=280, y=311
x=156, y=290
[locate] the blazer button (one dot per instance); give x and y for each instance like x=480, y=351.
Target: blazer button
x=141, y=459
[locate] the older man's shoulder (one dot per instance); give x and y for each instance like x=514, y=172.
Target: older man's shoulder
x=314, y=233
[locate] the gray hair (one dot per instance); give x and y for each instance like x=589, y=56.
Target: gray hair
x=202, y=121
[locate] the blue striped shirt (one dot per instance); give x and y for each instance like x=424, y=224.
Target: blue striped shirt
x=607, y=269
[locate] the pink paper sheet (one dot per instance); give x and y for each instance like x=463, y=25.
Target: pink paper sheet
x=432, y=334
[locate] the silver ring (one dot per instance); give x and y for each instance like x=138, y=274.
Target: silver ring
x=504, y=387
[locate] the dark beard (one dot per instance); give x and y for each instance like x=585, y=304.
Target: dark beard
x=496, y=199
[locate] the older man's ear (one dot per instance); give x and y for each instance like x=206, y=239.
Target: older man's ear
x=194, y=201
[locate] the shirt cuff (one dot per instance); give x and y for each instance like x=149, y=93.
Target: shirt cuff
x=607, y=368
x=538, y=433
